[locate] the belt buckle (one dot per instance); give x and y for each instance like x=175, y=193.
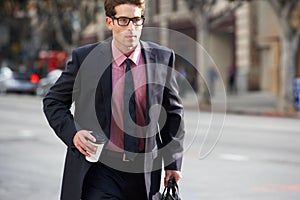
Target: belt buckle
x=124, y=158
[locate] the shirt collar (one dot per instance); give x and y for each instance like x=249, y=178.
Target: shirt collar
x=119, y=57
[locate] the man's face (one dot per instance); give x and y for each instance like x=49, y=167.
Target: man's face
x=126, y=37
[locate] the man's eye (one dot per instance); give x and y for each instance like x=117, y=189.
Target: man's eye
x=123, y=20
x=137, y=19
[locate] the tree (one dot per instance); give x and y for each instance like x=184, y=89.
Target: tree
x=14, y=29
x=55, y=24
x=289, y=37
x=64, y=19
x=204, y=18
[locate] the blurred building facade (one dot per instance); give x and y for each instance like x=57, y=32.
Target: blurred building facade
x=247, y=42
x=245, y=46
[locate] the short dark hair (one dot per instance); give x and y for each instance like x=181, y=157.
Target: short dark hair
x=110, y=5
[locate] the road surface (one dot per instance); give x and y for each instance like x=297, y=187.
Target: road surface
x=227, y=157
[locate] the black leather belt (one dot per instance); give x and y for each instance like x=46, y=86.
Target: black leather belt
x=114, y=154
x=118, y=161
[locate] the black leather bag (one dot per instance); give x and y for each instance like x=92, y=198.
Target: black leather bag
x=171, y=192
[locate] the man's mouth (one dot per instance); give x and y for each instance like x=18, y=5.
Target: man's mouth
x=130, y=36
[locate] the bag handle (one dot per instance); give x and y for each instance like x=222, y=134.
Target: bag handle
x=171, y=185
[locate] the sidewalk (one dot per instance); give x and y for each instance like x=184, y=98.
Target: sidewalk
x=250, y=103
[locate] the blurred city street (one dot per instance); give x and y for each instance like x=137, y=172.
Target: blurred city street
x=255, y=157
x=242, y=58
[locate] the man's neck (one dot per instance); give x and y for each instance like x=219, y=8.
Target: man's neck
x=126, y=51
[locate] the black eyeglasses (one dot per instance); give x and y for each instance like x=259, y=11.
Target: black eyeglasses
x=124, y=21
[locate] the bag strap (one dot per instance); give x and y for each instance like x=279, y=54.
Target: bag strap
x=171, y=185
x=174, y=186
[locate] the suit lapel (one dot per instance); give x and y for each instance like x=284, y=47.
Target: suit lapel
x=104, y=88
x=150, y=75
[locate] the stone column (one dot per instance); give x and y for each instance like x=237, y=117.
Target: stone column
x=243, y=46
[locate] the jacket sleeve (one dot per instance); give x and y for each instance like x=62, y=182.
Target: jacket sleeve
x=58, y=101
x=172, y=133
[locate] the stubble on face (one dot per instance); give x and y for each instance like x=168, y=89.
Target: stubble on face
x=126, y=38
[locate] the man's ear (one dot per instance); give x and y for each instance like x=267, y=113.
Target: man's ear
x=109, y=23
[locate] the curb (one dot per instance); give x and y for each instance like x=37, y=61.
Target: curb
x=275, y=114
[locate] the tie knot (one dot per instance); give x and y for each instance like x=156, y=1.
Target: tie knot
x=128, y=64
x=128, y=60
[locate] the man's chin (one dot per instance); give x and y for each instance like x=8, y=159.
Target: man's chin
x=131, y=45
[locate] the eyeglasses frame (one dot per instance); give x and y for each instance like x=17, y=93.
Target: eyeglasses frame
x=130, y=20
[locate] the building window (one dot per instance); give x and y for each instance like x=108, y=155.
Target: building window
x=157, y=6
x=175, y=5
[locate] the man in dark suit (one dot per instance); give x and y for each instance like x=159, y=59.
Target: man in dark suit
x=96, y=80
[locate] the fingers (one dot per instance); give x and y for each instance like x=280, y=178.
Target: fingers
x=166, y=181
x=176, y=174
x=81, y=142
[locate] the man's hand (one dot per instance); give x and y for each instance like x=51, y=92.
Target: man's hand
x=176, y=174
x=81, y=142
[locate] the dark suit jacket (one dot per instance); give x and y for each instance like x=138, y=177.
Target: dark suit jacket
x=87, y=82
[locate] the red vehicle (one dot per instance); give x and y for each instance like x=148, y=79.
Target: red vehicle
x=53, y=59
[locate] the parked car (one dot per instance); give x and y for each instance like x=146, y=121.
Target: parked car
x=15, y=81
x=45, y=83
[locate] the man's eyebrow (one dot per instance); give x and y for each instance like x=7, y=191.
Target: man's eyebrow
x=129, y=17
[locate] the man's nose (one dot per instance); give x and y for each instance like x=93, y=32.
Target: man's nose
x=131, y=25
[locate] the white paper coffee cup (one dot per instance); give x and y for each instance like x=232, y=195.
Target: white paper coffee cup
x=100, y=141
x=95, y=157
